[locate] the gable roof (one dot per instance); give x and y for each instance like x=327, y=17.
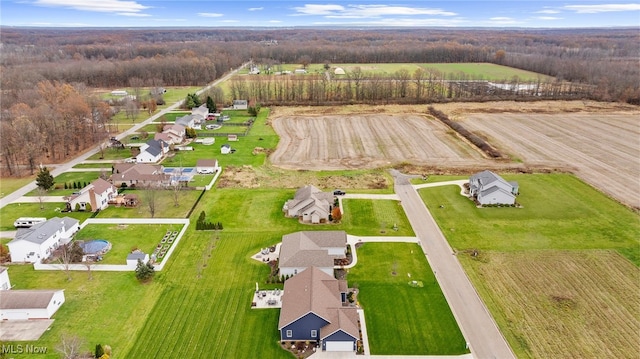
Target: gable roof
x=342, y=319
x=138, y=172
x=100, y=186
x=26, y=298
x=135, y=256
x=40, y=232
x=487, y=177
x=310, y=291
x=185, y=121
x=309, y=248
x=207, y=163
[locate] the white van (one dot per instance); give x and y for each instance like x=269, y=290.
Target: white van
x=27, y=222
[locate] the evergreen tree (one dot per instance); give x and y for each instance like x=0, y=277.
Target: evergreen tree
x=211, y=105
x=44, y=179
x=144, y=272
x=99, y=351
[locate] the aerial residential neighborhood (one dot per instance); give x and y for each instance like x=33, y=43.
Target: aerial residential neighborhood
x=293, y=180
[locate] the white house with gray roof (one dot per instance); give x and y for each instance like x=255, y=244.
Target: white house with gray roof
x=152, y=151
x=30, y=303
x=310, y=205
x=38, y=242
x=4, y=278
x=489, y=188
x=301, y=250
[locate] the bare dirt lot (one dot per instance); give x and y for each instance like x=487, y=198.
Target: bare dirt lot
x=595, y=140
x=602, y=149
x=366, y=141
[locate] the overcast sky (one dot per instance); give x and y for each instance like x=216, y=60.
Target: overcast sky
x=354, y=13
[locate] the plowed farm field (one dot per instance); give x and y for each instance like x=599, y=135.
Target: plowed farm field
x=602, y=149
x=366, y=141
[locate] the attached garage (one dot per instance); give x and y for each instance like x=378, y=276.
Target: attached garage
x=17, y=315
x=335, y=346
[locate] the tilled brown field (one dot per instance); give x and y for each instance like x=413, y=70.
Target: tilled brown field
x=575, y=304
x=602, y=149
x=366, y=141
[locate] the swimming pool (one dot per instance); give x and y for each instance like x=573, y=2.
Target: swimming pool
x=96, y=246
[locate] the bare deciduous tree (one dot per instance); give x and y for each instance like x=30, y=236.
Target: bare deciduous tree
x=150, y=196
x=69, y=347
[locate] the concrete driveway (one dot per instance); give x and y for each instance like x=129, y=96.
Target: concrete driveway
x=21, y=330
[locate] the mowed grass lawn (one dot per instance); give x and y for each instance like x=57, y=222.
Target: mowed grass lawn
x=375, y=217
x=560, y=212
x=13, y=211
x=164, y=205
x=10, y=184
x=70, y=178
x=403, y=319
x=125, y=238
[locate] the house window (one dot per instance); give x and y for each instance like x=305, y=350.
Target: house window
x=289, y=333
x=314, y=334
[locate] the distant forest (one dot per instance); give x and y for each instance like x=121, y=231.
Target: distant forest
x=47, y=112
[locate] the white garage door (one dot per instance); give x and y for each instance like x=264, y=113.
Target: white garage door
x=339, y=346
x=16, y=315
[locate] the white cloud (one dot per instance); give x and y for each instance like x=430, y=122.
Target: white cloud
x=210, y=14
x=399, y=22
x=594, y=9
x=133, y=14
x=502, y=20
x=547, y=18
x=255, y=8
x=548, y=11
x=333, y=11
x=230, y=21
x=316, y=9
x=120, y=7
x=275, y=21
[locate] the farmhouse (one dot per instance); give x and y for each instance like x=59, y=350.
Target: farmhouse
x=30, y=304
x=313, y=309
x=310, y=205
x=152, y=151
x=94, y=197
x=240, y=104
x=204, y=166
x=139, y=174
x=39, y=241
x=4, y=278
x=489, y=188
x=301, y=250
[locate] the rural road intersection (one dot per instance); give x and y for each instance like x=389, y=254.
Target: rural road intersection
x=478, y=327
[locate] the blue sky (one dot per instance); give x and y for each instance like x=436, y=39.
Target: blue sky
x=355, y=13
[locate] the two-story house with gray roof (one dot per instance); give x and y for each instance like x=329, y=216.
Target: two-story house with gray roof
x=310, y=205
x=39, y=241
x=489, y=188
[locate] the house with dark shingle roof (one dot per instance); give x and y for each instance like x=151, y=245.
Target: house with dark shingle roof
x=97, y=194
x=152, y=151
x=301, y=250
x=314, y=308
x=40, y=240
x=30, y=303
x=310, y=205
x=489, y=188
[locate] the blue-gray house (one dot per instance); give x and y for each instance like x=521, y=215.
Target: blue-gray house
x=314, y=309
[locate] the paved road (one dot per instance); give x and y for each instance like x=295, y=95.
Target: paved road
x=64, y=167
x=475, y=321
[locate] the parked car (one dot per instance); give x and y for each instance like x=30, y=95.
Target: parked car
x=205, y=171
x=130, y=160
x=339, y=193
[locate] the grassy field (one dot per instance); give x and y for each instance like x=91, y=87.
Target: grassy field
x=557, y=266
x=105, y=166
x=473, y=71
x=377, y=216
x=560, y=212
x=69, y=178
x=112, y=154
x=165, y=207
x=542, y=298
x=13, y=211
x=403, y=319
x=124, y=239
x=10, y=184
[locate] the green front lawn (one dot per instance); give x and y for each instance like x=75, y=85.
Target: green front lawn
x=403, y=319
x=9, y=184
x=375, y=217
x=165, y=206
x=13, y=211
x=112, y=154
x=125, y=238
x=560, y=212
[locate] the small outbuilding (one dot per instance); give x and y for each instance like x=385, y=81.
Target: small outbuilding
x=240, y=104
x=339, y=71
x=132, y=258
x=225, y=149
x=207, y=166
